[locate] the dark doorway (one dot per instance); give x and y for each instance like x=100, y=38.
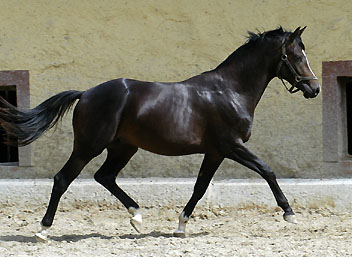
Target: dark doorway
x=8, y=154
x=349, y=116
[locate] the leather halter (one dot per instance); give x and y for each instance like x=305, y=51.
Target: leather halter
x=298, y=78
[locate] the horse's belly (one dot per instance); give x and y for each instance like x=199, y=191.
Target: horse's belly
x=172, y=150
x=166, y=144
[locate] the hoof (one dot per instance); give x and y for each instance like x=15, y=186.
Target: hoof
x=290, y=218
x=136, y=220
x=181, y=230
x=136, y=224
x=179, y=233
x=41, y=238
x=42, y=235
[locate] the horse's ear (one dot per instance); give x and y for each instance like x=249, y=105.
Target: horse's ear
x=301, y=31
x=295, y=34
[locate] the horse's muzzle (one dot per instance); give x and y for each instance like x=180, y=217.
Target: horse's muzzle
x=308, y=90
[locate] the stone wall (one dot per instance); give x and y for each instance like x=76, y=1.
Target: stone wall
x=78, y=44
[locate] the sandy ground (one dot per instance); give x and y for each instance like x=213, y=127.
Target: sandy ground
x=102, y=230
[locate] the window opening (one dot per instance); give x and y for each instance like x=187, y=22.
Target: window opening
x=8, y=154
x=349, y=116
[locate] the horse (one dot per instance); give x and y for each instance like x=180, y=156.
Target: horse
x=210, y=113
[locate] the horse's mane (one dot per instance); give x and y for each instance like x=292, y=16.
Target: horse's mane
x=253, y=39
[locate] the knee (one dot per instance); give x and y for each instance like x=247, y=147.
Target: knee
x=267, y=173
x=60, y=186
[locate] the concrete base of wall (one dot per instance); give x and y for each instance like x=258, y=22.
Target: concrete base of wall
x=150, y=192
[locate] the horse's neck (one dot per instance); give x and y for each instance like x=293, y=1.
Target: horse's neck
x=249, y=77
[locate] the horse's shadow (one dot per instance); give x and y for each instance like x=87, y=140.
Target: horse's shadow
x=158, y=234
x=76, y=238
x=68, y=238
x=18, y=238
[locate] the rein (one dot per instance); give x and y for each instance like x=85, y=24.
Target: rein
x=298, y=78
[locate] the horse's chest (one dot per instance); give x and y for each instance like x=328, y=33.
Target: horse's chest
x=237, y=119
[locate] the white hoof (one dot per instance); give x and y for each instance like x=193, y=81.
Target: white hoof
x=136, y=220
x=179, y=233
x=181, y=230
x=136, y=223
x=291, y=219
x=40, y=238
x=42, y=235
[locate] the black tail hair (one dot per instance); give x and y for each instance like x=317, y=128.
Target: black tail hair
x=23, y=126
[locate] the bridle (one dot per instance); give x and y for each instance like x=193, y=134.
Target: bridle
x=298, y=78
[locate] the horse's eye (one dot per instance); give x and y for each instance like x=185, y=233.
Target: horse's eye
x=299, y=58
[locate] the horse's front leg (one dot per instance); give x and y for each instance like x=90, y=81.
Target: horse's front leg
x=239, y=153
x=209, y=165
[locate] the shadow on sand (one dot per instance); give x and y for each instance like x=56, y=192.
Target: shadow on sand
x=157, y=234
x=68, y=238
x=76, y=238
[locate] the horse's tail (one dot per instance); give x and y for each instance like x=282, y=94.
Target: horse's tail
x=23, y=126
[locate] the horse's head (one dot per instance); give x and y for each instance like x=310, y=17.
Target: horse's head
x=294, y=66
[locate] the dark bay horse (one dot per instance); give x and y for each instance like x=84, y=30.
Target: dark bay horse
x=211, y=113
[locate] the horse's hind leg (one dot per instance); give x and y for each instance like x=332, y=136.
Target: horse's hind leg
x=209, y=165
x=62, y=180
x=118, y=157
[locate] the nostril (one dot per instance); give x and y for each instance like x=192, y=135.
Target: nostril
x=317, y=90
